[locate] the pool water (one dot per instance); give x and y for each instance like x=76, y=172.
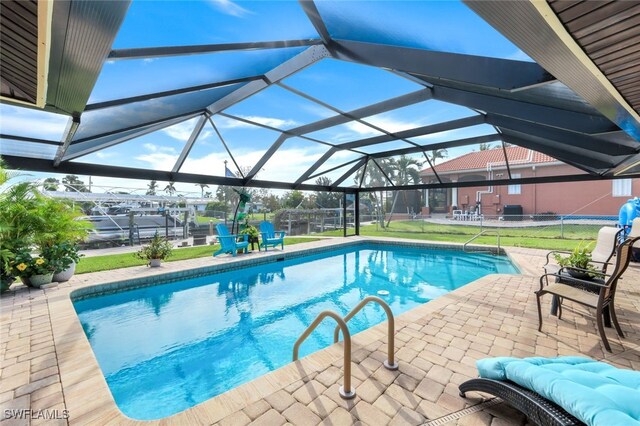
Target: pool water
x=165, y=348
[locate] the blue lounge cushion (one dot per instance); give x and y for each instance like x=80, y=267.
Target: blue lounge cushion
x=594, y=392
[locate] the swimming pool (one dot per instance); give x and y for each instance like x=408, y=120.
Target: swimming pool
x=167, y=347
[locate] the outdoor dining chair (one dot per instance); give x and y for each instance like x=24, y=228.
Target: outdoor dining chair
x=601, y=301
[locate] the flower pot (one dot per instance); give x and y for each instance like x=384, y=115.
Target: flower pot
x=40, y=280
x=65, y=275
x=154, y=263
x=5, y=282
x=581, y=275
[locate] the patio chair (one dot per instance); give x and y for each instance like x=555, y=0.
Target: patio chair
x=561, y=391
x=602, y=301
x=270, y=237
x=608, y=238
x=229, y=243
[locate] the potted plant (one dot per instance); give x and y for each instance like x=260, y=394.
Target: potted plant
x=6, y=275
x=157, y=250
x=34, y=271
x=253, y=234
x=65, y=257
x=578, y=262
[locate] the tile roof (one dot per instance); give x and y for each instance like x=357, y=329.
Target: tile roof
x=478, y=160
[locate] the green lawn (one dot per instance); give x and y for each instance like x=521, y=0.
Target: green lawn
x=546, y=237
x=124, y=260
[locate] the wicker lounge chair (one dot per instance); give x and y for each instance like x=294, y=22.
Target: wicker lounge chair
x=567, y=390
x=539, y=410
x=600, y=301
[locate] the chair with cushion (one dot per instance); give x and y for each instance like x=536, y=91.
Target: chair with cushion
x=561, y=391
x=270, y=237
x=601, y=301
x=601, y=254
x=229, y=243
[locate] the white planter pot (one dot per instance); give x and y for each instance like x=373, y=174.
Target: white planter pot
x=154, y=263
x=40, y=280
x=65, y=275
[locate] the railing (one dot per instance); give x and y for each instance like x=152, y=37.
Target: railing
x=345, y=391
x=486, y=231
x=390, y=363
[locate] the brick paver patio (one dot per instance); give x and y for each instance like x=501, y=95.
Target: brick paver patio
x=47, y=363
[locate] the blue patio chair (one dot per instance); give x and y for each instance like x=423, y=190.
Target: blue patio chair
x=270, y=237
x=229, y=243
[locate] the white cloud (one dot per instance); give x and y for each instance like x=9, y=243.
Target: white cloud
x=230, y=8
x=181, y=131
x=153, y=148
x=226, y=123
x=31, y=123
x=102, y=155
x=158, y=160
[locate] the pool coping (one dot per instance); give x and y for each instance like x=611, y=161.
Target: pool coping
x=86, y=392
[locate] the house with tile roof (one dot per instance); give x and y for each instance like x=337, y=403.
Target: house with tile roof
x=582, y=198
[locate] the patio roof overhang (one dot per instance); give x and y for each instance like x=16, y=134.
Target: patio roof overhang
x=563, y=105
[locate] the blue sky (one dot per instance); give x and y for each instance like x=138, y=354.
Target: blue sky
x=435, y=25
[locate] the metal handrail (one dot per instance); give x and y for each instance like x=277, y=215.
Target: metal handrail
x=345, y=391
x=486, y=231
x=390, y=363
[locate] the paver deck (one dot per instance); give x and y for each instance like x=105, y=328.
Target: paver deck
x=47, y=364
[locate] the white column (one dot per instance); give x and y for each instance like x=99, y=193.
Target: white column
x=454, y=197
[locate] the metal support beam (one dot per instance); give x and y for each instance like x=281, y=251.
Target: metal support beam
x=117, y=102
x=418, y=131
x=32, y=140
x=565, y=137
x=491, y=72
x=348, y=173
x=315, y=166
x=166, y=51
x=503, y=182
x=577, y=157
x=67, y=137
x=310, y=9
x=442, y=145
x=383, y=172
x=310, y=56
x=562, y=118
x=192, y=139
x=79, y=149
x=263, y=160
x=364, y=172
x=534, y=27
x=333, y=168
x=215, y=128
x=378, y=108
x=78, y=168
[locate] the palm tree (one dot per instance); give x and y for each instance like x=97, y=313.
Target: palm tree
x=406, y=171
x=436, y=154
x=374, y=176
x=202, y=187
x=170, y=188
x=485, y=146
x=152, y=187
x=50, y=184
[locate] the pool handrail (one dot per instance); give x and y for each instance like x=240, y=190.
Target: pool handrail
x=345, y=391
x=390, y=363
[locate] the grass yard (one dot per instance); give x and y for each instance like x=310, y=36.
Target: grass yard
x=125, y=260
x=544, y=237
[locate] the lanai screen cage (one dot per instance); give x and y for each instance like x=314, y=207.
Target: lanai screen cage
x=169, y=90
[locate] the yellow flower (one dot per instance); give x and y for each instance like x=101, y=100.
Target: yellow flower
x=21, y=267
x=39, y=261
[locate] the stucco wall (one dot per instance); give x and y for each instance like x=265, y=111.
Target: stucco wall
x=584, y=198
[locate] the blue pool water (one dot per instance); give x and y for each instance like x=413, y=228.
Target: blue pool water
x=165, y=348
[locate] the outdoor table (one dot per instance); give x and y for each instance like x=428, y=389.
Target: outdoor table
x=565, y=278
